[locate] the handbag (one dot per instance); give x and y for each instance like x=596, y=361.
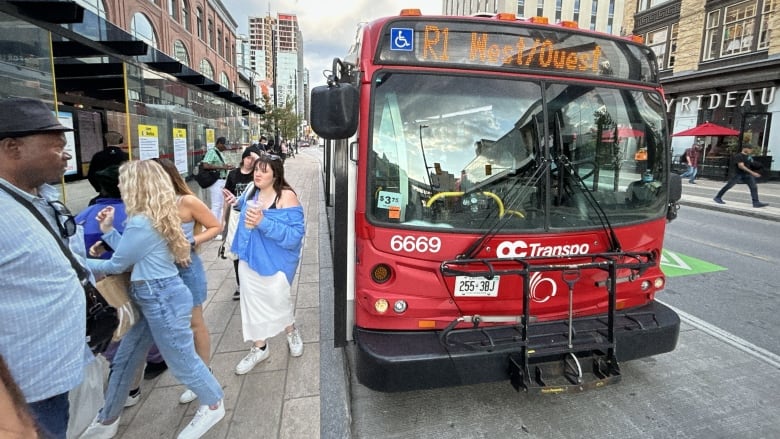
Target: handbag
x=114, y=289
x=206, y=177
x=102, y=319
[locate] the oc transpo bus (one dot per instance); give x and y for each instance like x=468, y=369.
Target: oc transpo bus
x=501, y=191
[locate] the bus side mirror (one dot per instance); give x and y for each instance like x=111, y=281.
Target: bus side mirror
x=334, y=111
x=675, y=187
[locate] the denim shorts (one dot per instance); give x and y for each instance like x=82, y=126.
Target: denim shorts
x=194, y=276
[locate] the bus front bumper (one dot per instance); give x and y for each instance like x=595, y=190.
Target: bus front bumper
x=390, y=361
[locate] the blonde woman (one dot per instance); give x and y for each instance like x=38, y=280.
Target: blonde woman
x=192, y=210
x=152, y=244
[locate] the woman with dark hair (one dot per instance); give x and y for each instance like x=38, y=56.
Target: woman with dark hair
x=193, y=211
x=268, y=243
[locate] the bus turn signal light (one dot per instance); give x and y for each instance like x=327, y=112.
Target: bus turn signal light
x=380, y=306
x=411, y=12
x=381, y=273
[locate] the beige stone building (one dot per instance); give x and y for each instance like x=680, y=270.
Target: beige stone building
x=718, y=63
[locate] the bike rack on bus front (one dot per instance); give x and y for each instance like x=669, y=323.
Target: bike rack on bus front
x=554, y=353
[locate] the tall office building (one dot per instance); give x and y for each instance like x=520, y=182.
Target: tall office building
x=277, y=52
x=600, y=15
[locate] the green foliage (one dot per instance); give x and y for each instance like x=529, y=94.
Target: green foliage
x=282, y=118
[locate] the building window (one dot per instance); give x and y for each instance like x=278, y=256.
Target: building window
x=185, y=15
x=521, y=8
x=648, y=4
x=206, y=69
x=558, y=7
x=199, y=22
x=95, y=6
x=765, y=31
x=593, y=12
x=738, y=23
x=211, y=34
x=735, y=33
x=220, y=47
x=576, y=16
x=142, y=29
x=711, y=35
x=672, y=46
x=656, y=40
x=224, y=81
x=173, y=9
x=180, y=53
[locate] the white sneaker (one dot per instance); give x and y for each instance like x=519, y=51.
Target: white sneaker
x=133, y=398
x=295, y=342
x=96, y=430
x=249, y=362
x=204, y=419
x=187, y=397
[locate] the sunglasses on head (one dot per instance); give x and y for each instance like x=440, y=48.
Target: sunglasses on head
x=65, y=220
x=271, y=156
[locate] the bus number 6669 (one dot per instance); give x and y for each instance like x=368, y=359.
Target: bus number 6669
x=420, y=244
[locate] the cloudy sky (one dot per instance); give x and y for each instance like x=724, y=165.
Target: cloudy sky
x=328, y=27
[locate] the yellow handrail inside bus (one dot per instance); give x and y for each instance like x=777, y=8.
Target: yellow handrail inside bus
x=460, y=194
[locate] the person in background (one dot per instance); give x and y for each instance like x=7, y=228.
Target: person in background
x=268, y=243
x=214, y=160
x=236, y=183
x=742, y=174
x=193, y=211
x=111, y=155
x=692, y=156
x=263, y=146
x=43, y=322
x=153, y=244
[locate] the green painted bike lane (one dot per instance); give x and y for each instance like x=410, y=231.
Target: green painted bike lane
x=675, y=264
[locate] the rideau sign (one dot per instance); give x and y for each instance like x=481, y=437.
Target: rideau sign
x=731, y=99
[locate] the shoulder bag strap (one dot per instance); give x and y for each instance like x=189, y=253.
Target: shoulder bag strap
x=80, y=270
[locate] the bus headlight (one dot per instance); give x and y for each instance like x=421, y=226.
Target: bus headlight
x=399, y=306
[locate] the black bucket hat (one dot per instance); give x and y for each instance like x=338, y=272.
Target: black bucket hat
x=21, y=117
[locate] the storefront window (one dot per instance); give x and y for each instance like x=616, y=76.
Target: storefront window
x=25, y=60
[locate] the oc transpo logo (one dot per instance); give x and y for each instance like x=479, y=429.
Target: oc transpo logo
x=521, y=249
x=540, y=294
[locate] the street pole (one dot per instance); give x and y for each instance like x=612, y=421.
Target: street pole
x=276, y=84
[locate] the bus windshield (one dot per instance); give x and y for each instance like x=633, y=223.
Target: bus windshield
x=486, y=153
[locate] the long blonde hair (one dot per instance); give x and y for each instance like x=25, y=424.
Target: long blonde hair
x=146, y=190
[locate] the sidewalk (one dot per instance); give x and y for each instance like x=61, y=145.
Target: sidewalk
x=737, y=198
x=280, y=398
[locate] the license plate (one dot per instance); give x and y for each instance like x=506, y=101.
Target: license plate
x=467, y=286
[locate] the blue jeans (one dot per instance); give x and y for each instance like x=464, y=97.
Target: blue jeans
x=194, y=277
x=51, y=415
x=690, y=173
x=166, y=310
x=741, y=178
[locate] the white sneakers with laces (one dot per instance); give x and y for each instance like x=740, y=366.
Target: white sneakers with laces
x=255, y=355
x=295, y=342
x=187, y=397
x=96, y=430
x=204, y=419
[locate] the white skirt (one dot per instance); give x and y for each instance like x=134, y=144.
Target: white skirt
x=266, y=308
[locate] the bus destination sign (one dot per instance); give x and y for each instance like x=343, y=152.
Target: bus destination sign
x=515, y=48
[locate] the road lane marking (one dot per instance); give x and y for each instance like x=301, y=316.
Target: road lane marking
x=728, y=338
x=674, y=264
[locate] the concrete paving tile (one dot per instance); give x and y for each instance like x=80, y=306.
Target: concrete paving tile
x=217, y=315
x=308, y=322
x=159, y=416
x=303, y=378
x=259, y=407
x=301, y=418
x=308, y=295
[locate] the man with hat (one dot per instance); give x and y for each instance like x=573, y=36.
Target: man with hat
x=743, y=174
x=111, y=155
x=42, y=336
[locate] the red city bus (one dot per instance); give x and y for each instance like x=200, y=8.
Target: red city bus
x=502, y=190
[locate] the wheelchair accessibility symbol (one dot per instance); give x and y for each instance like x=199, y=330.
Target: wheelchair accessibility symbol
x=402, y=39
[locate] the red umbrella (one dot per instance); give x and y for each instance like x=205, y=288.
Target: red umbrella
x=707, y=129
